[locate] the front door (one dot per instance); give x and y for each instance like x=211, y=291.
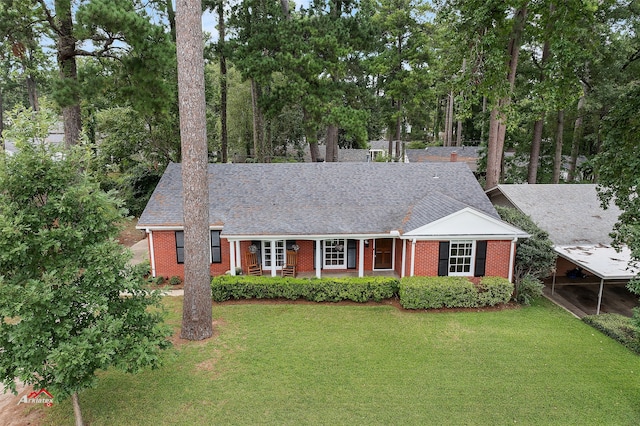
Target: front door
x=383, y=253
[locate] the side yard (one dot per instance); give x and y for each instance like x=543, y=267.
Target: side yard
x=339, y=364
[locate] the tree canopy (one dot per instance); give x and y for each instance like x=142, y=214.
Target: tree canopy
x=70, y=304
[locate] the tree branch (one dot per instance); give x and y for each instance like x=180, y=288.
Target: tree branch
x=50, y=18
x=631, y=59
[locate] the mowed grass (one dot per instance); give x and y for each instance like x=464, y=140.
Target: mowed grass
x=289, y=364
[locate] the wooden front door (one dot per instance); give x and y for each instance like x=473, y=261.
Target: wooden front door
x=383, y=253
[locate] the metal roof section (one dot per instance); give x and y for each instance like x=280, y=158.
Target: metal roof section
x=601, y=260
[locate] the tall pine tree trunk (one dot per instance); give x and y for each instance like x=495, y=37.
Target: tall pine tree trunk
x=577, y=136
x=557, y=158
x=497, y=122
x=197, y=305
x=332, y=144
x=223, y=83
x=66, y=46
x=398, y=135
x=538, y=127
x=311, y=136
x=258, y=149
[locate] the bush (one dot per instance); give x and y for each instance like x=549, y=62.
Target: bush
x=227, y=287
x=437, y=292
x=453, y=292
x=529, y=289
x=617, y=327
x=175, y=280
x=494, y=290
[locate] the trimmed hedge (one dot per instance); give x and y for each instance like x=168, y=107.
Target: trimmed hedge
x=618, y=327
x=453, y=292
x=227, y=287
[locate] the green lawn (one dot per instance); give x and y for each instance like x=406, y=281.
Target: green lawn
x=366, y=365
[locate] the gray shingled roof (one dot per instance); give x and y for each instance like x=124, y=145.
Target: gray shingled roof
x=322, y=198
x=570, y=213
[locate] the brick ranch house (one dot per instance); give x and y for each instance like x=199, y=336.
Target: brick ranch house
x=358, y=218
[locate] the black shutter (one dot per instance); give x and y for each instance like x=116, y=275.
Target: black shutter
x=351, y=254
x=481, y=258
x=443, y=259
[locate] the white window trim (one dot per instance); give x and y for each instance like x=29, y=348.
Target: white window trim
x=344, y=254
x=472, y=261
x=266, y=246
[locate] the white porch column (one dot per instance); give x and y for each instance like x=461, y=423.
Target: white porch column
x=413, y=257
x=600, y=296
x=361, y=259
x=232, y=257
x=318, y=259
x=273, y=257
x=238, y=255
x=404, y=257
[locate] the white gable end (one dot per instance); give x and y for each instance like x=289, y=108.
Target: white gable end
x=467, y=223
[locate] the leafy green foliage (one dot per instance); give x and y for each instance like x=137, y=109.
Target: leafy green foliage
x=618, y=327
x=453, y=292
x=535, y=258
x=69, y=303
x=529, y=288
x=617, y=168
x=227, y=287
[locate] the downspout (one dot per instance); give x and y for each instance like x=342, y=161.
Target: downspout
x=512, y=256
x=413, y=257
x=152, y=255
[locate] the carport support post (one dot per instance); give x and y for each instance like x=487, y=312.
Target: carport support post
x=600, y=295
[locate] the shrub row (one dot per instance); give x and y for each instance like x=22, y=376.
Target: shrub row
x=617, y=327
x=227, y=287
x=414, y=292
x=453, y=292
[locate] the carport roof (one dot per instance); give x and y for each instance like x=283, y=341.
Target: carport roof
x=601, y=260
x=576, y=222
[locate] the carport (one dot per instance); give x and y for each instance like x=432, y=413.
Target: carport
x=580, y=230
x=601, y=261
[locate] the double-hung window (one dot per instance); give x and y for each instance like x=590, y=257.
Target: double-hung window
x=180, y=246
x=216, y=250
x=460, y=258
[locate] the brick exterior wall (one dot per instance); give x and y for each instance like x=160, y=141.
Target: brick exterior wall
x=497, y=264
x=498, y=259
x=164, y=247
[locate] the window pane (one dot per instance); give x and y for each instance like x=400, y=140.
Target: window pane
x=460, y=257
